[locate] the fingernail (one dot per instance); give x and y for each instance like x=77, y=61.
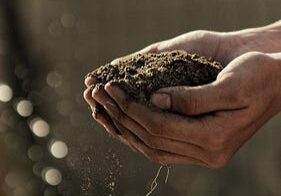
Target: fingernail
x=90, y=80
x=96, y=89
x=109, y=87
x=161, y=100
x=92, y=88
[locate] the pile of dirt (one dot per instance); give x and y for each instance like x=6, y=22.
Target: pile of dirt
x=142, y=74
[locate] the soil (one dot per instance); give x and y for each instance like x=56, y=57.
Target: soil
x=142, y=74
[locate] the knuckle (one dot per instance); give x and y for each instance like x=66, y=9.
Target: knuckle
x=158, y=47
x=86, y=94
x=204, y=34
x=254, y=55
x=200, y=33
x=219, y=160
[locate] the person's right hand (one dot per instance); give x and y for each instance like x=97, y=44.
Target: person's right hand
x=223, y=47
x=205, y=124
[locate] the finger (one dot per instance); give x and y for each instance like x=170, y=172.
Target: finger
x=196, y=100
x=132, y=147
x=163, y=124
x=153, y=48
x=88, y=98
x=89, y=80
x=102, y=117
x=155, y=142
x=158, y=155
x=101, y=96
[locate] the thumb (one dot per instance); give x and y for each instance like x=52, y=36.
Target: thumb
x=192, y=100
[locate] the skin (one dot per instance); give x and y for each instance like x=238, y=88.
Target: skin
x=203, y=125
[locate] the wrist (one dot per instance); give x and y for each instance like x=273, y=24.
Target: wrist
x=265, y=39
x=276, y=57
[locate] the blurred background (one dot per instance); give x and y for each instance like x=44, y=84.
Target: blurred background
x=49, y=143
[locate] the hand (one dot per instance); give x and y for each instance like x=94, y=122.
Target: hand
x=211, y=44
x=223, y=47
x=220, y=46
x=228, y=112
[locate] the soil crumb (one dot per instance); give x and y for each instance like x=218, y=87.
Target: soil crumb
x=141, y=75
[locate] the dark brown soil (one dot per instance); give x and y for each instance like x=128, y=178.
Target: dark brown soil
x=143, y=74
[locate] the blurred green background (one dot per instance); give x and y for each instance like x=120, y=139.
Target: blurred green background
x=46, y=48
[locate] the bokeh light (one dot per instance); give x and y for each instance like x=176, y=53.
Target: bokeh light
x=20, y=191
x=16, y=178
x=68, y=20
x=55, y=29
x=6, y=93
x=52, y=176
x=58, y=149
x=54, y=79
x=35, y=153
x=39, y=127
x=24, y=108
x=11, y=179
x=37, y=168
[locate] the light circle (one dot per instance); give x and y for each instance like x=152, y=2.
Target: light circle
x=52, y=176
x=24, y=108
x=58, y=149
x=40, y=127
x=6, y=93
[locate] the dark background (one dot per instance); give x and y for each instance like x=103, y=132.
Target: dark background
x=56, y=42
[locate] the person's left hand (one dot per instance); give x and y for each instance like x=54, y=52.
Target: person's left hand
x=204, y=125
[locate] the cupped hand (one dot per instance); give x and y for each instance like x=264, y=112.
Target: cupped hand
x=205, y=43
x=220, y=46
x=220, y=108
x=215, y=120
